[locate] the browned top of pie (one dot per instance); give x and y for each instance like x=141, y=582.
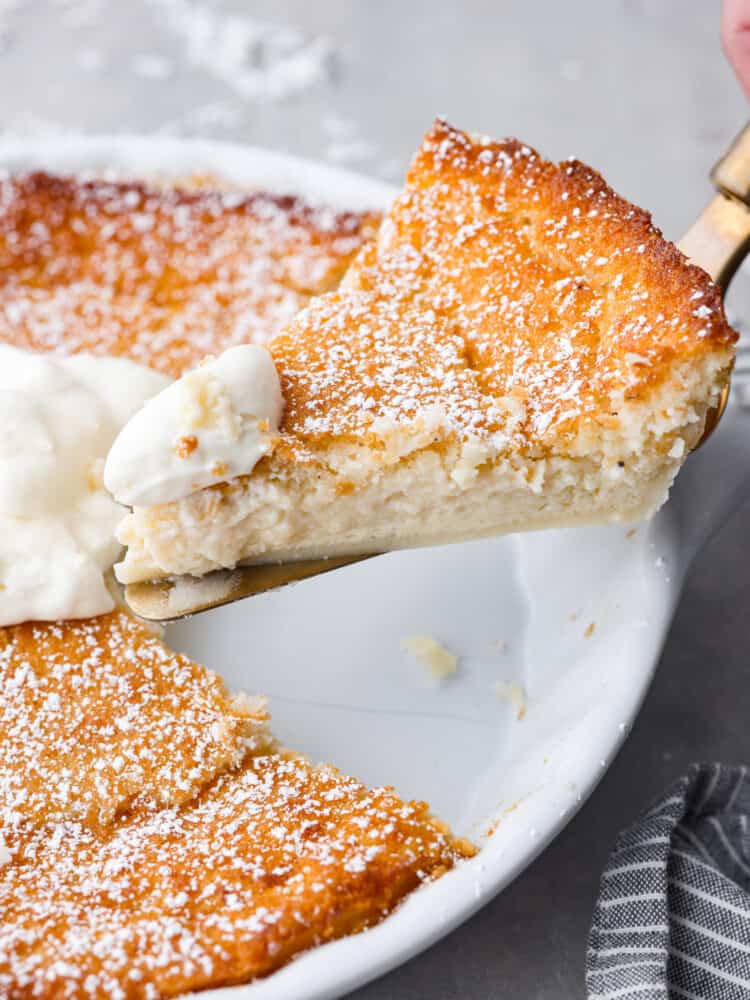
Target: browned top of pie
x=161, y=275
x=159, y=841
x=267, y=862
x=97, y=714
x=522, y=296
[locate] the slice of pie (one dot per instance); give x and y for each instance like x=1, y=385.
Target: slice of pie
x=518, y=348
x=268, y=862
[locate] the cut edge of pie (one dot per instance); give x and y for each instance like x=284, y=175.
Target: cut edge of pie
x=519, y=348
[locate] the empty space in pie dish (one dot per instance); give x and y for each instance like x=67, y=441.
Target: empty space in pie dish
x=564, y=616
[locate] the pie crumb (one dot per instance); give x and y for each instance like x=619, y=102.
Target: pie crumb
x=186, y=446
x=514, y=694
x=438, y=660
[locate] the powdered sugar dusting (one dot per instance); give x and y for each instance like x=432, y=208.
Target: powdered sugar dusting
x=155, y=840
x=512, y=293
x=270, y=860
x=98, y=714
x=162, y=276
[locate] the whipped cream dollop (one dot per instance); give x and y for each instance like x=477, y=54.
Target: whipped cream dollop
x=214, y=423
x=58, y=418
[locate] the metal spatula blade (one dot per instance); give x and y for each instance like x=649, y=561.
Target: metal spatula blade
x=718, y=241
x=168, y=600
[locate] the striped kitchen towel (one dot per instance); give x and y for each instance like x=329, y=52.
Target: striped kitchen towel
x=672, y=921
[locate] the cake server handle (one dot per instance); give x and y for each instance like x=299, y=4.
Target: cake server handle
x=719, y=239
x=714, y=482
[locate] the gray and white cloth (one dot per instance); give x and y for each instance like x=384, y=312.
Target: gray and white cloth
x=672, y=921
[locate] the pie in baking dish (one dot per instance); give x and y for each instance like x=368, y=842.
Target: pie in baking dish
x=518, y=348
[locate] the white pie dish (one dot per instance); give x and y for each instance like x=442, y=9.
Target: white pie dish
x=327, y=652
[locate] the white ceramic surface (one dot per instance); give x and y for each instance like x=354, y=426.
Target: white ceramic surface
x=582, y=615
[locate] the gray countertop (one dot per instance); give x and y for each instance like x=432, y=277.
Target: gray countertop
x=639, y=89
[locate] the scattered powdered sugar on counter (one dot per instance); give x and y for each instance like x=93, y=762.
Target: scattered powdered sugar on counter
x=252, y=60
x=258, y=61
x=232, y=59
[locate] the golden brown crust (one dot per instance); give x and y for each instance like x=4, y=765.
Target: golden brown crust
x=160, y=275
x=499, y=282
